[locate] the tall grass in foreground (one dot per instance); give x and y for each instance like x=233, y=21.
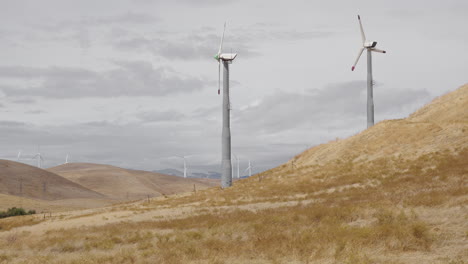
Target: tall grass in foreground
x=300, y=233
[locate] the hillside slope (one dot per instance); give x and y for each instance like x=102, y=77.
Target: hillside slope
x=442, y=124
x=27, y=181
x=122, y=183
x=53, y=206
x=345, y=202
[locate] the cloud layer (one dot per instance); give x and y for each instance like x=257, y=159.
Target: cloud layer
x=128, y=78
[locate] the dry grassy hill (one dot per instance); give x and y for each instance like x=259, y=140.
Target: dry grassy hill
x=52, y=206
x=440, y=125
x=395, y=193
x=20, y=179
x=122, y=183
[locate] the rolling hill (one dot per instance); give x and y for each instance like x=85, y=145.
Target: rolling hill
x=119, y=183
x=440, y=125
x=30, y=182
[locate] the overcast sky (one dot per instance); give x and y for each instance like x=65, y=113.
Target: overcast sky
x=133, y=83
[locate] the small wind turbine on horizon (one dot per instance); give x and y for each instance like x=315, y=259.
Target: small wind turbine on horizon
x=249, y=168
x=66, y=159
x=370, y=47
x=185, y=165
x=18, y=157
x=226, y=166
x=39, y=157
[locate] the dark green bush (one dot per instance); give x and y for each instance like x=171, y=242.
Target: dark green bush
x=16, y=211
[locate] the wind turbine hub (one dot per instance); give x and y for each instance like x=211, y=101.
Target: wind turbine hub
x=370, y=44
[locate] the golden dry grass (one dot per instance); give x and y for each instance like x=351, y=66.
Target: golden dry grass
x=8, y=201
x=383, y=223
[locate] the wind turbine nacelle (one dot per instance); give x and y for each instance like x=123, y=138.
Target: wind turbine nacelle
x=370, y=44
x=227, y=56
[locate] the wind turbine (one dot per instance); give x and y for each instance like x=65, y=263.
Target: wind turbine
x=66, y=159
x=226, y=166
x=39, y=157
x=370, y=47
x=249, y=168
x=19, y=156
x=185, y=165
x=237, y=159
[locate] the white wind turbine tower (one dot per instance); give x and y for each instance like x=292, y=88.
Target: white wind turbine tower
x=370, y=47
x=66, y=159
x=226, y=166
x=238, y=160
x=185, y=165
x=249, y=168
x=39, y=157
x=18, y=158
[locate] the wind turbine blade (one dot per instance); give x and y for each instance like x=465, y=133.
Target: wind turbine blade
x=222, y=40
x=363, y=36
x=378, y=50
x=357, y=59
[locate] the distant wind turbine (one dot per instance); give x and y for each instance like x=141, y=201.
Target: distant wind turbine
x=370, y=47
x=18, y=158
x=226, y=166
x=249, y=168
x=40, y=158
x=66, y=159
x=185, y=165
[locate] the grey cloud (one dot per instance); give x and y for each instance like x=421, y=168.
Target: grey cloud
x=203, y=43
x=127, y=145
x=391, y=101
x=35, y=112
x=129, y=78
x=11, y=124
x=24, y=100
x=205, y=112
x=337, y=104
x=87, y=30
x=295, y=35
x=160, y=116
x=192, y=3
x=261, y=32
x=129, y=18
x=189, y=47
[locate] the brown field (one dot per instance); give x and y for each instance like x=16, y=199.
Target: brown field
x=396, y=193
x=76, y=186
x=30, y=182
x=119, y=183
x=8, y=201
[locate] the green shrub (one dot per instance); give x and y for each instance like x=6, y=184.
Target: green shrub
x=15, y=212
